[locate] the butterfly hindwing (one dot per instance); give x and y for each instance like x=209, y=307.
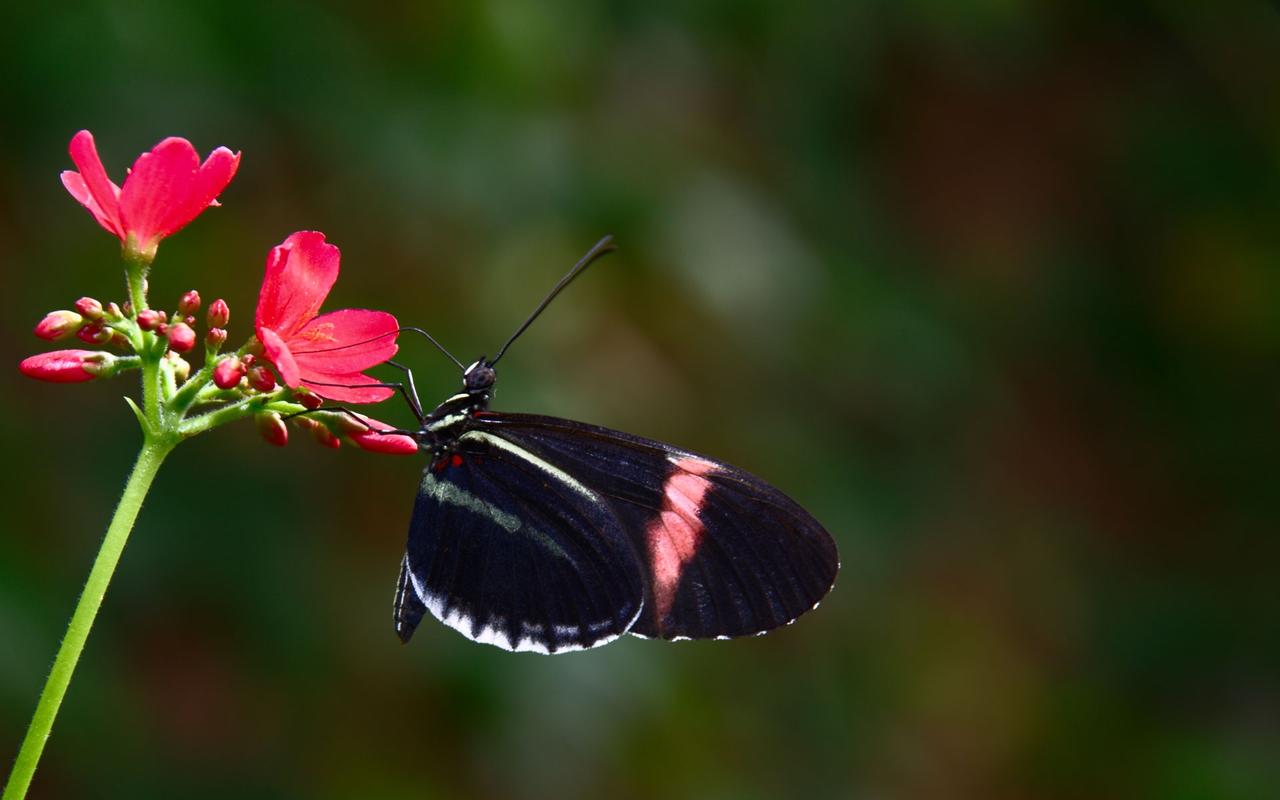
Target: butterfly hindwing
x=510, y=550
x=724, y=553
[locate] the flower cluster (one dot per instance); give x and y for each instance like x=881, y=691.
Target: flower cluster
x=297, y=357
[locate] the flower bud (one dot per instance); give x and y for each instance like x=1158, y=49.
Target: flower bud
x=181, y=367
x=113, y=312
x=272, y=428
x=364, y=434
x=127, y=308
x=215, y=339
x=262, y=379
x=58, y=325
x=308, y=400
x=190, y=320
x=66, y=366
x=326, y=437
x=190, y=303
x=219, y=314
x=149, y=319
x=228, y=372
x=181, y=337
x=89, y=308
x=94, y=333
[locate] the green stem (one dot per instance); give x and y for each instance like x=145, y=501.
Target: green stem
x=224, y=414
x=151, y=391
x=55, y=688
x=136, y=266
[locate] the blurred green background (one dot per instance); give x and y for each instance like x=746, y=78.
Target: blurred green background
x=992, y=287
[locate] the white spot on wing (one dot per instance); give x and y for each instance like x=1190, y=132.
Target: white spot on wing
x=446, y=421
x=520, y=452
x=449, y=492
x=494, y=633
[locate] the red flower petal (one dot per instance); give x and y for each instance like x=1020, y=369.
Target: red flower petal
x=158, y=191
x=343, y=391
x=75, y=184
x=93, y=189
x=212, y=177
x=345, y=341
x=277, y=353
x=300, y=272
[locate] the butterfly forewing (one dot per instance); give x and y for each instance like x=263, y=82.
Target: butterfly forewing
x=724, y=553
x=511, y=550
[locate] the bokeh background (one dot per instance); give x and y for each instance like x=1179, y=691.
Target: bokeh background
x=991, y=287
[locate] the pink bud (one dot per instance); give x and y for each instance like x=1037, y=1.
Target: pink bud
x=219, y=314
x=181, y=337
x=94, y=333
x=58, y=325
x=215, y=339
x=365, y=435
x=62, y=366
x=89, y=308
x=228, y=372
x=326, y=437
x=262, y=379
x=190, y=303
x=272, y=428
x=248, y=359
x=308, y=400
x=149, y=319
x=113, y=312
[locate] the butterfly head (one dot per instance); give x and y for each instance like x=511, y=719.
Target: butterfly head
x=478, y=378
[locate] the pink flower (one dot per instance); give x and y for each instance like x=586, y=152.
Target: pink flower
x=167, y=188
x=63, y=366
x=312, y=351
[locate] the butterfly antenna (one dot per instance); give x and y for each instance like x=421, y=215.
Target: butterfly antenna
x=439, y=346
x=601, y=248
x=418, y=331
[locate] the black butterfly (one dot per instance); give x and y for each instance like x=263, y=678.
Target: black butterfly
x=543, y=534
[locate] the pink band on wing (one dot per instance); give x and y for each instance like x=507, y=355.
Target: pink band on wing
x=674, y=536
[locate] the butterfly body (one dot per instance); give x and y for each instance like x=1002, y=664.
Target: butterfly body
x=540, y=534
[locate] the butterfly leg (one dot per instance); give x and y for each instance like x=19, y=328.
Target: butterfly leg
x=354, y=415
x=410, y=398
x=411, y=395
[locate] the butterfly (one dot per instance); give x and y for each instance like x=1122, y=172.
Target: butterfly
x=534, y=533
